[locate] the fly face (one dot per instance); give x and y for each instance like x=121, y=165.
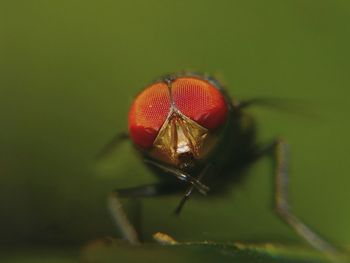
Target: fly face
x=177, y=121
x=181, y=141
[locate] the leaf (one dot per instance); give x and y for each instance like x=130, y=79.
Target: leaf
x=109, y=250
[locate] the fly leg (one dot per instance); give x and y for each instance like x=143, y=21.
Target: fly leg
x=118, y=214
x=120, y=218
x=280, y=153
x=203, y=189
x=188, y=192
x=112, y=145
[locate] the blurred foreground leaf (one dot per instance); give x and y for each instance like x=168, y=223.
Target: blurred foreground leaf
x=112, y=251
x=39, y=255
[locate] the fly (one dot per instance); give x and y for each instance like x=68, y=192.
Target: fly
x=195, y=137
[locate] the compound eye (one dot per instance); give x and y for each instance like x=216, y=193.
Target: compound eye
x=148, y=113
x=201, y=101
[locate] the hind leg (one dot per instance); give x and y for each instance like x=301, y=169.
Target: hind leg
x=279, y=152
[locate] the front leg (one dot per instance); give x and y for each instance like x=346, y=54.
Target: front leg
x=181, y=175
x=118, y=214
x=189, y=190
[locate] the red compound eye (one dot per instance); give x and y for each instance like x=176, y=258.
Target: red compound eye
x=200, y=101
x=148, y=113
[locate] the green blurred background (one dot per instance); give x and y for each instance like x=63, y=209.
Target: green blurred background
x=70, y=69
